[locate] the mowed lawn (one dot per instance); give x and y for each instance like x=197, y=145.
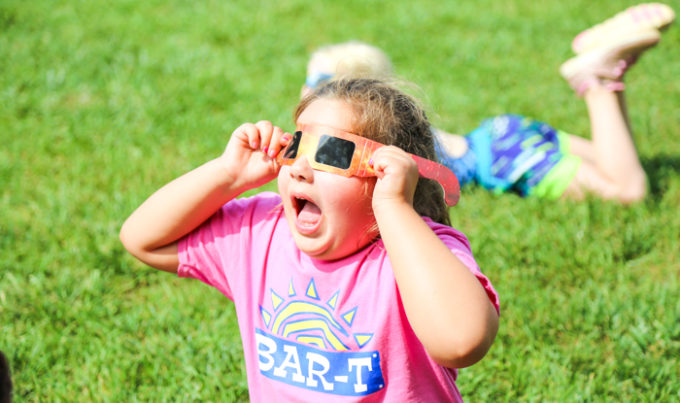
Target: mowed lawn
x=101, y=103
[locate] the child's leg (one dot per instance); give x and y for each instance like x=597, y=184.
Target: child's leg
x=610, y=168
x=582, y=148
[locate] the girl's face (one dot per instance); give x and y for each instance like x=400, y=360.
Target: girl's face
x=330, y=216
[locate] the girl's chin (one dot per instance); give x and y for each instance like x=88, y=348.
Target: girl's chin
x=320, y=250
x=315, y=251
x=310, y=242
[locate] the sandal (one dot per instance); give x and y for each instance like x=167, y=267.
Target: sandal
x=607, y=65
x=642, y=17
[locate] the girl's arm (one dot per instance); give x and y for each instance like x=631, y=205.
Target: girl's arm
x=152, y=231
x=444, y=302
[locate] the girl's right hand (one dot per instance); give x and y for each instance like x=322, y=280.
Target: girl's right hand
x=250, y=155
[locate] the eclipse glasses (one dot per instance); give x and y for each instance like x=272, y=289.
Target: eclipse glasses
x=342, y=153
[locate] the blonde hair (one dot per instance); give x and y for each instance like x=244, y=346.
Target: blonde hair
x=353, y=58
x=386, y=114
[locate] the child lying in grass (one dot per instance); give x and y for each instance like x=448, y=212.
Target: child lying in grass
x=516, y=153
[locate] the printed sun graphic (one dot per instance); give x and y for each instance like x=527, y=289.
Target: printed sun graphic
x=313, y=321
x=308, y=343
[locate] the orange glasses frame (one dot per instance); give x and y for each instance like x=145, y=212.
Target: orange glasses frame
x=310, y=135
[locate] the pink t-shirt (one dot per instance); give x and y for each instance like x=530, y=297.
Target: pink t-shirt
x=316, y=330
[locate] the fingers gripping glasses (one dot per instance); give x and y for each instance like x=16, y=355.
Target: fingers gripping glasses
x=347, y=154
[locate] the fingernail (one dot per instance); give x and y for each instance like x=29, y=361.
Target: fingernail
x=264, y=150
x=286, y=137
x=370, y=162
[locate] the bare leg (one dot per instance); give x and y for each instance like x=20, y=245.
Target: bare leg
x=610, y=168
x=582, y=147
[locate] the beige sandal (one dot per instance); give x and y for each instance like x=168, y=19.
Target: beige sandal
x=640, y=18
x=606, y=65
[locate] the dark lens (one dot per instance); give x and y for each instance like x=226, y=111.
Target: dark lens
x=291, y=151
x=334, y=151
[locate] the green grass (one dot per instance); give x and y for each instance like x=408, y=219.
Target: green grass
x=103, y=102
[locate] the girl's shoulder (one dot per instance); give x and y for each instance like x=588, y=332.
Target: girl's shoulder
x=264, y=197
x=263, y=200
x=247, y=211
x=447, y=234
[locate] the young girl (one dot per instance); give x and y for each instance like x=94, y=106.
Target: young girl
x=516, y=153
x=345, y=287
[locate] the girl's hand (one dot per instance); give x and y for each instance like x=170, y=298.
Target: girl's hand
x=397, y=176
x=250, y=155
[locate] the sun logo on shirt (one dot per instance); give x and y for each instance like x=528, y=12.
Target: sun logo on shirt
x=313, y=320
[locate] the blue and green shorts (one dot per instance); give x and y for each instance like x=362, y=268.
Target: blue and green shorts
x=515, y=153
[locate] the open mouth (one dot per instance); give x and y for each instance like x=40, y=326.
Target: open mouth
x=308, y=214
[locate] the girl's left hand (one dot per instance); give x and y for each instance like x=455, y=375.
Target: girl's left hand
x=397, y=176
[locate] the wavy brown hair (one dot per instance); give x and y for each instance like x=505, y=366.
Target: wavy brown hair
x=386, y=114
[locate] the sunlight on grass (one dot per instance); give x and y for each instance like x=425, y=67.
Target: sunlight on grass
x=101, y=104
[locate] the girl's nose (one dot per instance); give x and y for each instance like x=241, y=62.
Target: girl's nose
x=301, y=170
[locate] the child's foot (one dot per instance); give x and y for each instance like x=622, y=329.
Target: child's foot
x=606, y=65
x=640, y=18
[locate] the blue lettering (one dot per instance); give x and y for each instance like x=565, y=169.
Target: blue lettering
x=347, y=373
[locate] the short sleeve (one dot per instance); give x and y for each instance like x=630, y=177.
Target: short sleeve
x=458, y=243
x=215, y=251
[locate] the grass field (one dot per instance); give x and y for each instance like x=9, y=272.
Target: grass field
x=103, y=102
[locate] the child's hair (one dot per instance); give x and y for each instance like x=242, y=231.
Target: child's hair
x=386, y=114
x=353, y=58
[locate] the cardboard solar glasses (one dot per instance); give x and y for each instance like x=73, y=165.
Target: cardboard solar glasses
x=342, y=153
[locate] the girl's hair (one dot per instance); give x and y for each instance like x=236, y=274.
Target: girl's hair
x=353, y=57
x=386, y=114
